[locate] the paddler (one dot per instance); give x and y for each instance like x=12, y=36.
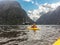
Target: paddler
x=34, y=27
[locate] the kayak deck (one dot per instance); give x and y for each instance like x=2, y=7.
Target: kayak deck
x=57, y=42
x=34, y=28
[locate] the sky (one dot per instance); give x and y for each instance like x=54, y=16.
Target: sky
x=36, y=8
x=33, y=4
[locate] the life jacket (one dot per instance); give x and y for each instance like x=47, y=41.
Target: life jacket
x=34, y=26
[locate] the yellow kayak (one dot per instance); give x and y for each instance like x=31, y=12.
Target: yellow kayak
x=57, y=42
x=34, y=29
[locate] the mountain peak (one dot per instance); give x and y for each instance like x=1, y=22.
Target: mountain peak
x=50, y=17
x=11, y=13
x=9, y=4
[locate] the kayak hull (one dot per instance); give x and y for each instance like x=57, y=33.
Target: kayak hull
x=57, y=42
x=34, y=29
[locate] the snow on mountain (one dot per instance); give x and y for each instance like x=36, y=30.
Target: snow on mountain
x=42, y=9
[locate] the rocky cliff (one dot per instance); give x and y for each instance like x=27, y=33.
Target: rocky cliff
x=11, y=13
x=50, y=17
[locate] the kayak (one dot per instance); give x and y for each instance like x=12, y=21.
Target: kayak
x=57, y=42
x=34, y=29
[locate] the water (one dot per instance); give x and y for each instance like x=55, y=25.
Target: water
x=21, y=36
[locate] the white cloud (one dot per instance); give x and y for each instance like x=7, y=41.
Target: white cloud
x=37, y=4
x=54, y=5
x=27, y=0
x=42, y=9
x=32, y=2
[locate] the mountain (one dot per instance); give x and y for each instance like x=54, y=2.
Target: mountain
x=11, y=13
x=52, y=17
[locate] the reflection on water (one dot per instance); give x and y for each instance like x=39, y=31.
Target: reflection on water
x=21, y=36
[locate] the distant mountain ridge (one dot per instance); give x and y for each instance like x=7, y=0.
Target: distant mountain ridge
x=50, y=17
x=11, y=13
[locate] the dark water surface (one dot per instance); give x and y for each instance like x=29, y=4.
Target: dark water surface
x=22, y=36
